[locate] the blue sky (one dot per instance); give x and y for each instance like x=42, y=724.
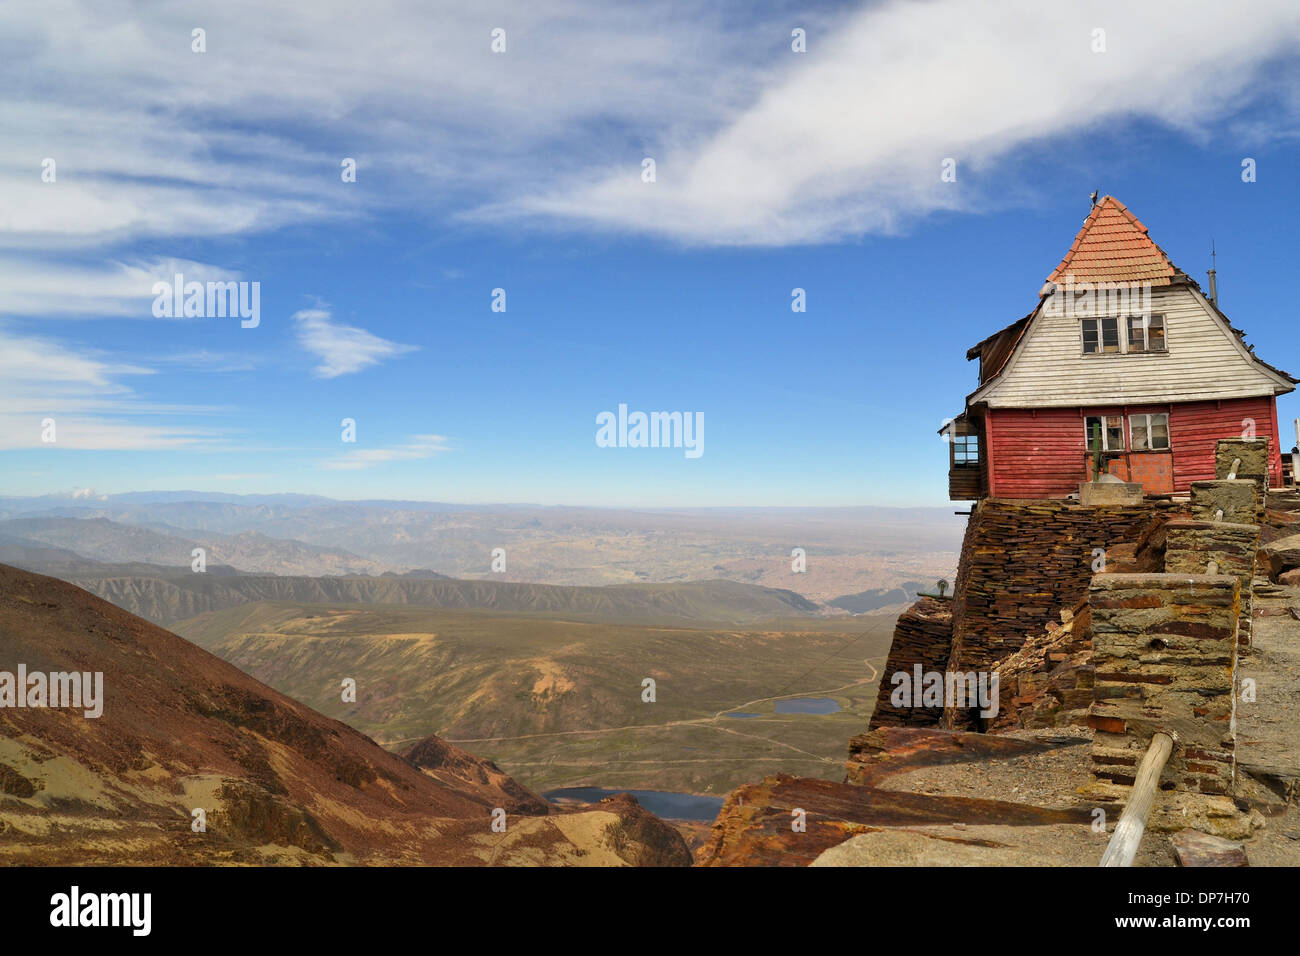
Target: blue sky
x=521, y=171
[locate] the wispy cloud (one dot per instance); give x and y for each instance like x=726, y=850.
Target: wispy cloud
x=342, y=349
x=850, y=137
x=754, y=144
x=87, y=396
x=418, y=447
x=202, y=360
x=50, y=288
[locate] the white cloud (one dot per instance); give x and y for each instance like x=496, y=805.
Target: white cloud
x=850, y=137
x=754, y=143
x=418, y=447
x=31, y=286
x=92, y=407
x=151, y=139
x=203, y=360
x=342, y=349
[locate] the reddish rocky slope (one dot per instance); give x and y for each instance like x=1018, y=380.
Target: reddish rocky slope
x=279, y=783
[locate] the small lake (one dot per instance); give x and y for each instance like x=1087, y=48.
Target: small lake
x=806, y=705
x=662, y=803
x=741, y=713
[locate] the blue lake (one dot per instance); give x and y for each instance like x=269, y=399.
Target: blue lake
x=806, y=705
x=741, y=713
x=669, y=806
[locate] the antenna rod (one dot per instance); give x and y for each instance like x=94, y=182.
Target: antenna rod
x=1214, y=277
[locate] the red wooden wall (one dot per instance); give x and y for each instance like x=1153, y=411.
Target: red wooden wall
x=1042, y=453
x=1201, y=424
x=1034, y=454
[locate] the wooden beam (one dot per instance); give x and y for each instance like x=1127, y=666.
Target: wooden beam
x=1132, y=824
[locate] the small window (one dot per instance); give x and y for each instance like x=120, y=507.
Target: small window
x=1150, y=432
x=1146, y=334
x=1156, y=335
x=1110, y=428
x=966, y=450
x=1100, y=336
x=1137, y=334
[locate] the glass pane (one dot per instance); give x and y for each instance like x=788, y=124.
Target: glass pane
x=1089, y=335
x=1110, y=335
x=1093, y=434
x=1138, y=425
x=1136, y=337
x=1159, y=431
x=1157, y=333
x=1115, y=433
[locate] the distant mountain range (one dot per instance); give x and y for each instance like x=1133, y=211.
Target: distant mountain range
x=169, y=597
x=147, y=572
x=845, y=551
x=100, y=539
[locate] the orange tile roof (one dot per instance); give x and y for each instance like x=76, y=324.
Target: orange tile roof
x=1114, y=246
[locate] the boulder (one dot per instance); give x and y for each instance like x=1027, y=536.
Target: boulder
x=1282, y=555
x=1194, y=848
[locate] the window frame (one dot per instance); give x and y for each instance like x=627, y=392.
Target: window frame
x=962, y=455
x=1123, y=334
x=1146, y=321
x=1147, y=425
x=1101, y=334
x=1105, y=434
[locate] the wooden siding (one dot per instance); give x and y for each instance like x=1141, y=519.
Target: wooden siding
x=1035, y=454
x=1203, y=361
x=1196, y=428
x=964, y=483
x=1042, y=453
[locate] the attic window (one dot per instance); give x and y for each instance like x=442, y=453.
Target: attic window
x=1146, y=335
x=1150, y=432
x=1100, y=336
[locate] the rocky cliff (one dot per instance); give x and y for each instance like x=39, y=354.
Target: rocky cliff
x=1040, y=784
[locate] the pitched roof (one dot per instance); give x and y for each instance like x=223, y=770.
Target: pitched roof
x=1114, y=246
x=995, y=351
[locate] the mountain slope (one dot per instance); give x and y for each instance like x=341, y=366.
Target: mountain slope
x=168, y=598
x=100, y=539
x=280, y=783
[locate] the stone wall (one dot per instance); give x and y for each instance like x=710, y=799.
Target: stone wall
x=1253, y=454
x=923, y=635
x=1164, y=659
x=1191, y=545
x=1022, y=562
x=1048, y=682
x=1239, y=500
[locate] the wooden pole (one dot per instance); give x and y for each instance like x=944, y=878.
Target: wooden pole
x=1133, y=821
